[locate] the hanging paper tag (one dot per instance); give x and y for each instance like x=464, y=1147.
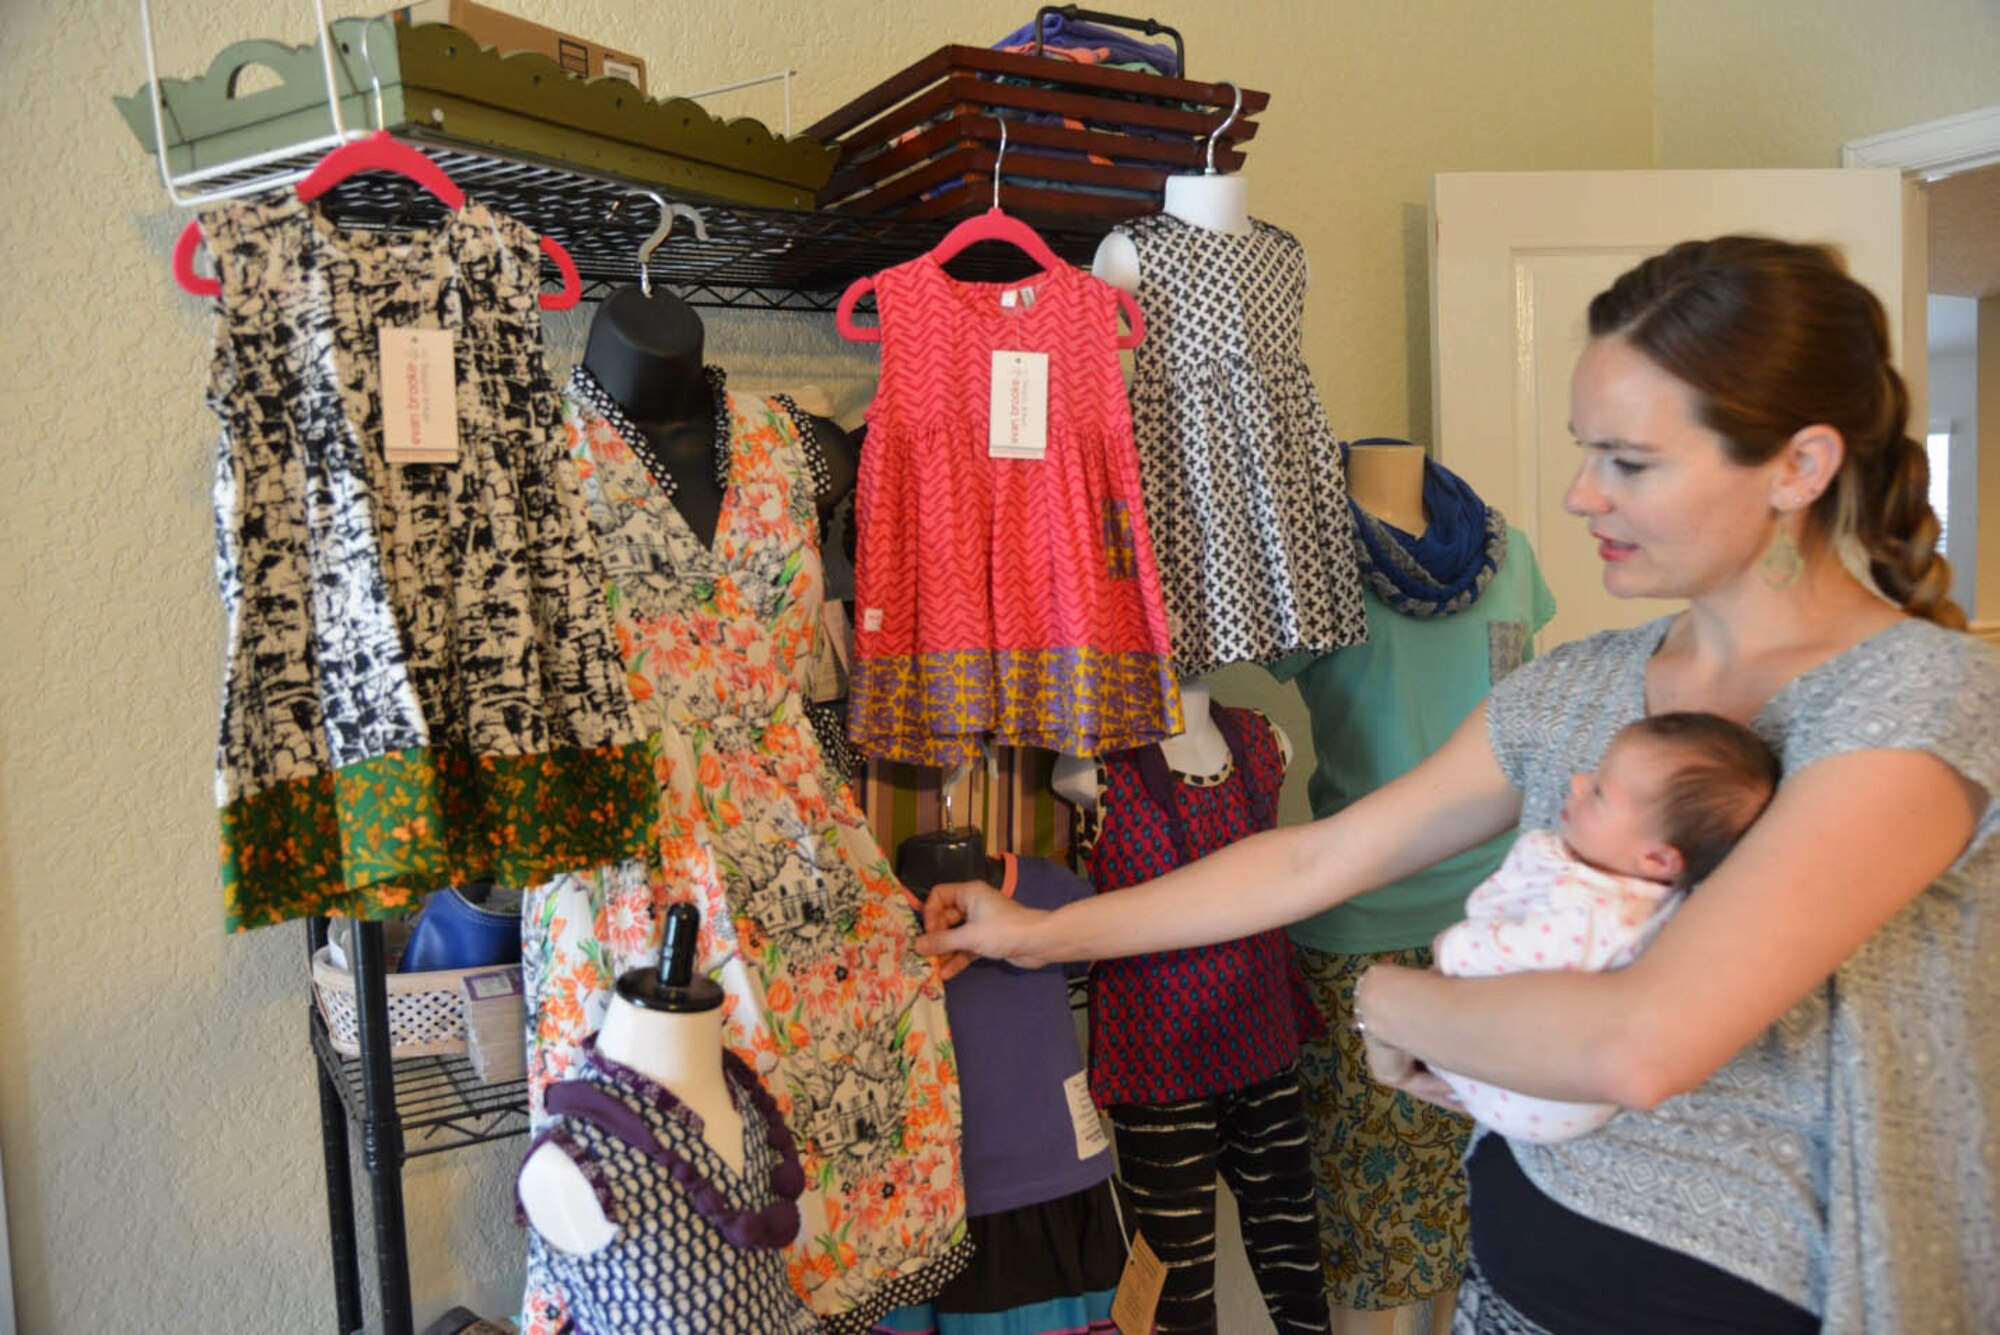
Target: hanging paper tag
x=419, y=396
x=1083, y=1117
x=1019, y=413
x=1138, y=1295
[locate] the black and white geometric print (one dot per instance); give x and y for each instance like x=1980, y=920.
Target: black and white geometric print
x=669, y=1270
x=1245, y=496
x=377, y=607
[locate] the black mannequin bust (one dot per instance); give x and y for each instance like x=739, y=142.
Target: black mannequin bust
x=646, y=353
x=939, y=856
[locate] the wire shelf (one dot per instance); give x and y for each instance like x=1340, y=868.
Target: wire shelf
x=440, y=1101
x=754, y=258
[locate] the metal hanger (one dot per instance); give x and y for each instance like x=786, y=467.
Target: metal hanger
x=998, y=158
x=1235, y=109
x=668, y=212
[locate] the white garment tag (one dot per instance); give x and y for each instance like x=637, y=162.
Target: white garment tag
x=1019, y=412
x=419, y=396
x=1089, y=1127
x=871, y=618
x=1009, y=298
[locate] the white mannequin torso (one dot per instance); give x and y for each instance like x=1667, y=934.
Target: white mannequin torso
x=1218, y=203
x=679, y=1050
x=1198, y=750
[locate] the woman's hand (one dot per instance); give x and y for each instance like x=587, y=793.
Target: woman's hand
x=1397, y=1069
x=964, y=920
x=1390, y=1065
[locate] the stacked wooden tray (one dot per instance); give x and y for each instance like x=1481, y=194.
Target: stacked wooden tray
x=922, y=143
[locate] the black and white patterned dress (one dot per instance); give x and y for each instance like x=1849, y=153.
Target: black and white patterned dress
x=1243, y=482
x=421, y=685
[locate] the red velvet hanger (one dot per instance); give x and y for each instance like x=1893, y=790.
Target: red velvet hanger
x=380, y=151
x=992, y=225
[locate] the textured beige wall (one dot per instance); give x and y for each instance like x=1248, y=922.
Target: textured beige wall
x=1784, y=83
x=158, y=1115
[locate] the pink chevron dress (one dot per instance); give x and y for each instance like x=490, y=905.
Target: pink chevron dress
x=1001, y=598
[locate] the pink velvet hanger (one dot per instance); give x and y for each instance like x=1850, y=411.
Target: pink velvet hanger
x=380, y=151
x=992, y=225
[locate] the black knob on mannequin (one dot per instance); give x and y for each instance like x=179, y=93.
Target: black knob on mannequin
x=674, y=985
x=941, y=856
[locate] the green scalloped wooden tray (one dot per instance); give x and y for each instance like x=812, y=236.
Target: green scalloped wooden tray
x=440, y=85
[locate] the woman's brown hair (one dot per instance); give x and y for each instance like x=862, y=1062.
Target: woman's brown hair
x=1773, y=337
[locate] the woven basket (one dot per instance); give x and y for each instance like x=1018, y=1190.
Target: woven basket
x=426, y=1010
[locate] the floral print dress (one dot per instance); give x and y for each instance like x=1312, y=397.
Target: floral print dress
x=803, y=923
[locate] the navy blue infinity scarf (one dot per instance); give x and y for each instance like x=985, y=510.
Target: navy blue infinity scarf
x=1446, y=569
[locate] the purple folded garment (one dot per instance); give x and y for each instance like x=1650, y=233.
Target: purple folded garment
x=1059, y=31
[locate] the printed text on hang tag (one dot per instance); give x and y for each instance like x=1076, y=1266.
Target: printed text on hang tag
x=1020, y=406
x=419, y=396
x=1083, y=1117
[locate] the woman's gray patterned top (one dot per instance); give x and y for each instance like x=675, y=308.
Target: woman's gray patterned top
x=1849, y=1158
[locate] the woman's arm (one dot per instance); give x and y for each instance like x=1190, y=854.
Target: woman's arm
x=1848, y=842
x=1457, y=798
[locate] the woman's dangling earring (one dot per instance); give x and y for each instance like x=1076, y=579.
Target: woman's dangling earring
x=1782, y=564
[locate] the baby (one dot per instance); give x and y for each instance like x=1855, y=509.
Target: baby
x=1672, y=795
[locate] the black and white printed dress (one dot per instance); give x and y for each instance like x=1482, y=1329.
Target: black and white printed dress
x=421, y=685
x=1243, y=482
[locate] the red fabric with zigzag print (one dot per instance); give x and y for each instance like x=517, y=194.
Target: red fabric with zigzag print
x=1014, y=600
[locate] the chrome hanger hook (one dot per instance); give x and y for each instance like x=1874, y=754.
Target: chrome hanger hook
x=999, y=158
x=668, y=212
x=1235, y=109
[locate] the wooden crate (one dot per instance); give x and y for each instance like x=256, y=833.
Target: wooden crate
x=922, y=143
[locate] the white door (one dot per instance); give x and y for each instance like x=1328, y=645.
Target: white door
x=1516, y=257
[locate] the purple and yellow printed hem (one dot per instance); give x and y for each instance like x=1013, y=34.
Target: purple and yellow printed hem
x=943, y=708
x=370, y=840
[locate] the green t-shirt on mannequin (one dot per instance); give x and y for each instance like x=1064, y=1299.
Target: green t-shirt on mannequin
x=1380, y=707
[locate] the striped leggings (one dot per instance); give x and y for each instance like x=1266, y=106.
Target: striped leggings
x=1168, y=1157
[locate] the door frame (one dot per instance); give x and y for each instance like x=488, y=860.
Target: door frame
x=1933, y=150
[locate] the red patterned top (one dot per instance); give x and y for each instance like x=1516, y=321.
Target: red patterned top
x=1184, y=1024
x=1002, y=597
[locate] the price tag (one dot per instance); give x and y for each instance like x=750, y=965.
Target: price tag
x=1089, y=1127
x=1138, y=1295
x=1019, y=410
x=419, y=395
